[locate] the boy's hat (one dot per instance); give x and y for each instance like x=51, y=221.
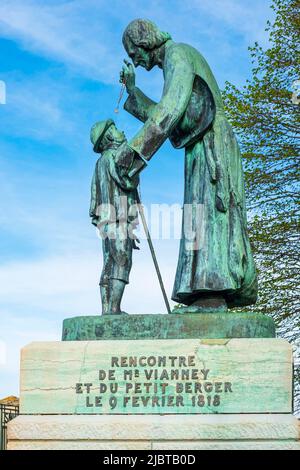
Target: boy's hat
x=97, y=133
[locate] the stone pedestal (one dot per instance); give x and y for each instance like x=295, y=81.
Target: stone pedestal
x=193, y=376
x=162, y=394
x=155, y=432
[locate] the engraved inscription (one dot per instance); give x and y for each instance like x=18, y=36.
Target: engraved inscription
x=142, y=382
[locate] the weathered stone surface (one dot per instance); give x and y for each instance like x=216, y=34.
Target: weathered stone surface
x=78, y=445
x=246, y=376
x=231, y=432
x=138, y=445
x=154, y=427
x=233, y=445
x=175, y=326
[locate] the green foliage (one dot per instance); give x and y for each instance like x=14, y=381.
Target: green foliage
x=267, y=124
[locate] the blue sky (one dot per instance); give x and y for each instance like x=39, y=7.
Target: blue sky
x=60, y=62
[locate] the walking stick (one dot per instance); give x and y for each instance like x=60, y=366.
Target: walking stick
x=141, y=212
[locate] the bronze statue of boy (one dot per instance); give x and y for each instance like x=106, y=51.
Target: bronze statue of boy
x=113, y=210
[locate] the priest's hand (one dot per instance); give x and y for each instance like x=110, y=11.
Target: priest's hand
x=127, y=76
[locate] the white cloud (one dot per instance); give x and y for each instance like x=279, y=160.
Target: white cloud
x=85, y=36
x=247, y=16
x=37, y=105
x=87, y=33
x=2, y=352
x=68, y=284
x=45, y=107
x=2, y=92
x=17, y=330
x=61, y=30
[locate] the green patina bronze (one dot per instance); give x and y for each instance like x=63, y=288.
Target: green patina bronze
x=216, y=268
x=132, y=327
x=113, y=210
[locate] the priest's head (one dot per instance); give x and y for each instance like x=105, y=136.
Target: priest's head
x=142, y=40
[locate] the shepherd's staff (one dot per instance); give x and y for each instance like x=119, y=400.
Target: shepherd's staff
x=150, y=244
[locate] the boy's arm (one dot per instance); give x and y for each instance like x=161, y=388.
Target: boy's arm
x=119, y=174
x=94, y=198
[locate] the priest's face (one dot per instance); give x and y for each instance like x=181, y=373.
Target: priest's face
x=140, y=56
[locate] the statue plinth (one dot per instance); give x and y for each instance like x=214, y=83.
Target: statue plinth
x=188, y=392
x=175, y=326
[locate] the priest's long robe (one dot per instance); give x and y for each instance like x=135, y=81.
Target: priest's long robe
x=218, y=258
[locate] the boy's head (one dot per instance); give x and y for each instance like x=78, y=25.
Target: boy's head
x=104, y=135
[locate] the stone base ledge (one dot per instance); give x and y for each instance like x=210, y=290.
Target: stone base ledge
x=176, y=326
x=154, y=432
x=153, y=445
